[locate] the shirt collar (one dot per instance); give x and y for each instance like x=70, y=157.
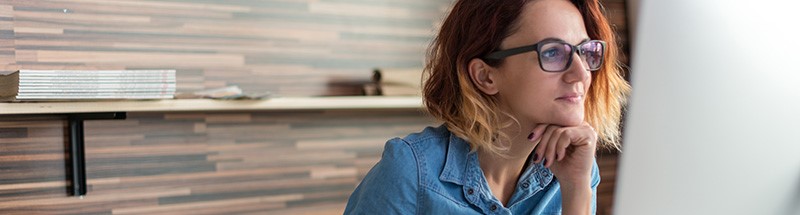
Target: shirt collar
x=457, y=164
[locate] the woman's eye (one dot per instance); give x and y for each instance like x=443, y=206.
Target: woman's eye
x=551, y=53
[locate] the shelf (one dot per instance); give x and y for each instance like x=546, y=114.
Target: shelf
x=174, y=105
x=77, y=112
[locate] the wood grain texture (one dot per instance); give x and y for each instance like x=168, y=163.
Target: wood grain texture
x=240, y=162
x=278, y=162
x=289, y=48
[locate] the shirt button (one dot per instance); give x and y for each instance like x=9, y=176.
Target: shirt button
x=470, y=191
x=526, y=185
x=493, y=208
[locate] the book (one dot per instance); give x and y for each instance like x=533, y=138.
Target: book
x=96, y=72
x=38, y=85
x=93, y=86
x=97, y=78
x=102, y=97
x=9, y=85
x=42, y=90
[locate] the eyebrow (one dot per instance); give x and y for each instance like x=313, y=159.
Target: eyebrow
x=500, y=54
x=559, y=39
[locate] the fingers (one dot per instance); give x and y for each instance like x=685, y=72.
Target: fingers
x=555, y=140
x=562, y=143
x=541, y=149
x=552, y=145
x=536, y=134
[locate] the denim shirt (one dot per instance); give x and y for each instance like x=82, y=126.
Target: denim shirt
x=434, y=172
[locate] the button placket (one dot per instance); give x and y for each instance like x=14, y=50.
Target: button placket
x=475, y=182
x=471, y=188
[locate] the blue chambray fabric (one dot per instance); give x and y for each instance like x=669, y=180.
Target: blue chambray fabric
x=434, y=172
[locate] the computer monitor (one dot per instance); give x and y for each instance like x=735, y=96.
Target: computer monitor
x=713, y=123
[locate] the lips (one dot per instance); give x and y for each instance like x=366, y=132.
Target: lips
x=571, y=97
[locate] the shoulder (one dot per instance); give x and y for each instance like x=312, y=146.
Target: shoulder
x=424, y=151
x=427, y=135
x=423, y=148
x=401, y=155
x=393, y=184
x=429, y=143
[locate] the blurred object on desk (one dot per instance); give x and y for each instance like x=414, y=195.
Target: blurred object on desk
x=395, y=82
x=224, y=93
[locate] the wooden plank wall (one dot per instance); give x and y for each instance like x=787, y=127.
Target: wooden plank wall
x=198, y=163
x=287, y=47
x=289, y=162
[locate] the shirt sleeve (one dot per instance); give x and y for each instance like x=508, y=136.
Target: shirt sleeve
x=595, y=183
x=391, y=186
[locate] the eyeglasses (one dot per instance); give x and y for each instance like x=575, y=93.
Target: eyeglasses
x=555, y=55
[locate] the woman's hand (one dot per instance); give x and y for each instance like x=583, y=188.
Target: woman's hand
x=568, y=152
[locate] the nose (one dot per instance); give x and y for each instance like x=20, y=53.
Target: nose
x=578, y=71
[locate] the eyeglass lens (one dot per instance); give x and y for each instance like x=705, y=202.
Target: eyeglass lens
x=555, y=56
x=592, y=54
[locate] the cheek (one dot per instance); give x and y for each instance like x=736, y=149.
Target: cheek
x=526, y=86
x=588, y=83
x=533, y=96
x=526, y=89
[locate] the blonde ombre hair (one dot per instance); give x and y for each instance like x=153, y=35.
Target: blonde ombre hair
x=450, y=96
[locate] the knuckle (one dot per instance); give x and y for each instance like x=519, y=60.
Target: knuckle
x=567, y=132
x=559, y=131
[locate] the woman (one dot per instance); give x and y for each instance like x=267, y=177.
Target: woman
x=526, y=90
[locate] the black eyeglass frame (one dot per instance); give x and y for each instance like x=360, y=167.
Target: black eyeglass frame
x=499, y=55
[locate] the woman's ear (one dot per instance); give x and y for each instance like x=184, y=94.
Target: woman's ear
x=483, y=76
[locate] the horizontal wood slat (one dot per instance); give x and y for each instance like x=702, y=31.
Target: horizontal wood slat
x=325, y=47
x=161, y=164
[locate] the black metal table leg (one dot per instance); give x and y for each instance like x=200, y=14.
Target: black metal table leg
x=76, y=151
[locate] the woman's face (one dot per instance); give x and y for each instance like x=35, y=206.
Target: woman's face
x=531, y=94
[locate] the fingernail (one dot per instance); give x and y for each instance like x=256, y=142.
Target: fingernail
x=535, y=156
x=531, y=136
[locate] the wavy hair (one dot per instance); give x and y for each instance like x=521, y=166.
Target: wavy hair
x=475, y=28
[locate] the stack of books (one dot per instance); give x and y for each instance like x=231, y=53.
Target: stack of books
x=37, y=85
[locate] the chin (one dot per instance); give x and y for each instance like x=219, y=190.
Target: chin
x=569, y=120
